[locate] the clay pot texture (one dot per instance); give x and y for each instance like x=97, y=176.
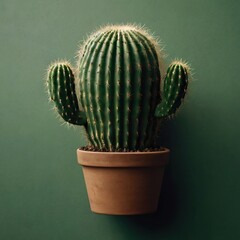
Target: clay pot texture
x=123, y=183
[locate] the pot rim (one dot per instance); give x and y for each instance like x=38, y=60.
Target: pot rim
x=123, y=159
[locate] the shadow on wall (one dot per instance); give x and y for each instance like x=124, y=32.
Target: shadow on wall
x=169, y=202
x=167, y=207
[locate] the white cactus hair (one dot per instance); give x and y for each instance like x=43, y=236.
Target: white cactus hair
x=129, y=26
x=56, y=62
x=184, y=63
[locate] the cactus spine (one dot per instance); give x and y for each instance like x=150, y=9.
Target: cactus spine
x=119, y=82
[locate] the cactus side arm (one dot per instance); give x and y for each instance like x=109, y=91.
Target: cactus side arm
x=174, y=89
x=61, y=87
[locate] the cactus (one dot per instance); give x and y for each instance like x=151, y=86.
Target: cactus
x=175, y=87
x=61, y=87
x=118, y=77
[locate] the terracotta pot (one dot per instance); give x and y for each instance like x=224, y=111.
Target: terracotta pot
x=123, y=183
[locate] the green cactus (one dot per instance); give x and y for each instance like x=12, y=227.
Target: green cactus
x=61, y=87
x=175, y=87
x=118, y=77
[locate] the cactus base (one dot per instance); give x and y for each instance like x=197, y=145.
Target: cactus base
x=123, y=183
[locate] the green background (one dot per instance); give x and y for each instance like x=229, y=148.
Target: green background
x=42, y=191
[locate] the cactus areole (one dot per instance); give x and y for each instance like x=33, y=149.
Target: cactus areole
x=121, y=94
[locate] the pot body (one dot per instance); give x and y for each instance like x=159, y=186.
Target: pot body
x=123, y=183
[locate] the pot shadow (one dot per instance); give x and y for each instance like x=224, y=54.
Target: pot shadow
x=167, y=208
x=168, y=204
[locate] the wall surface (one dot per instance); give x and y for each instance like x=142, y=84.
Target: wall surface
x=42, y=191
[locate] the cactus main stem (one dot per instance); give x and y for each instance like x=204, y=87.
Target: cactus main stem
x=119, y=78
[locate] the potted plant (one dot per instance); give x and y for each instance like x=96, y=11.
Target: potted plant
x=115, y=94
